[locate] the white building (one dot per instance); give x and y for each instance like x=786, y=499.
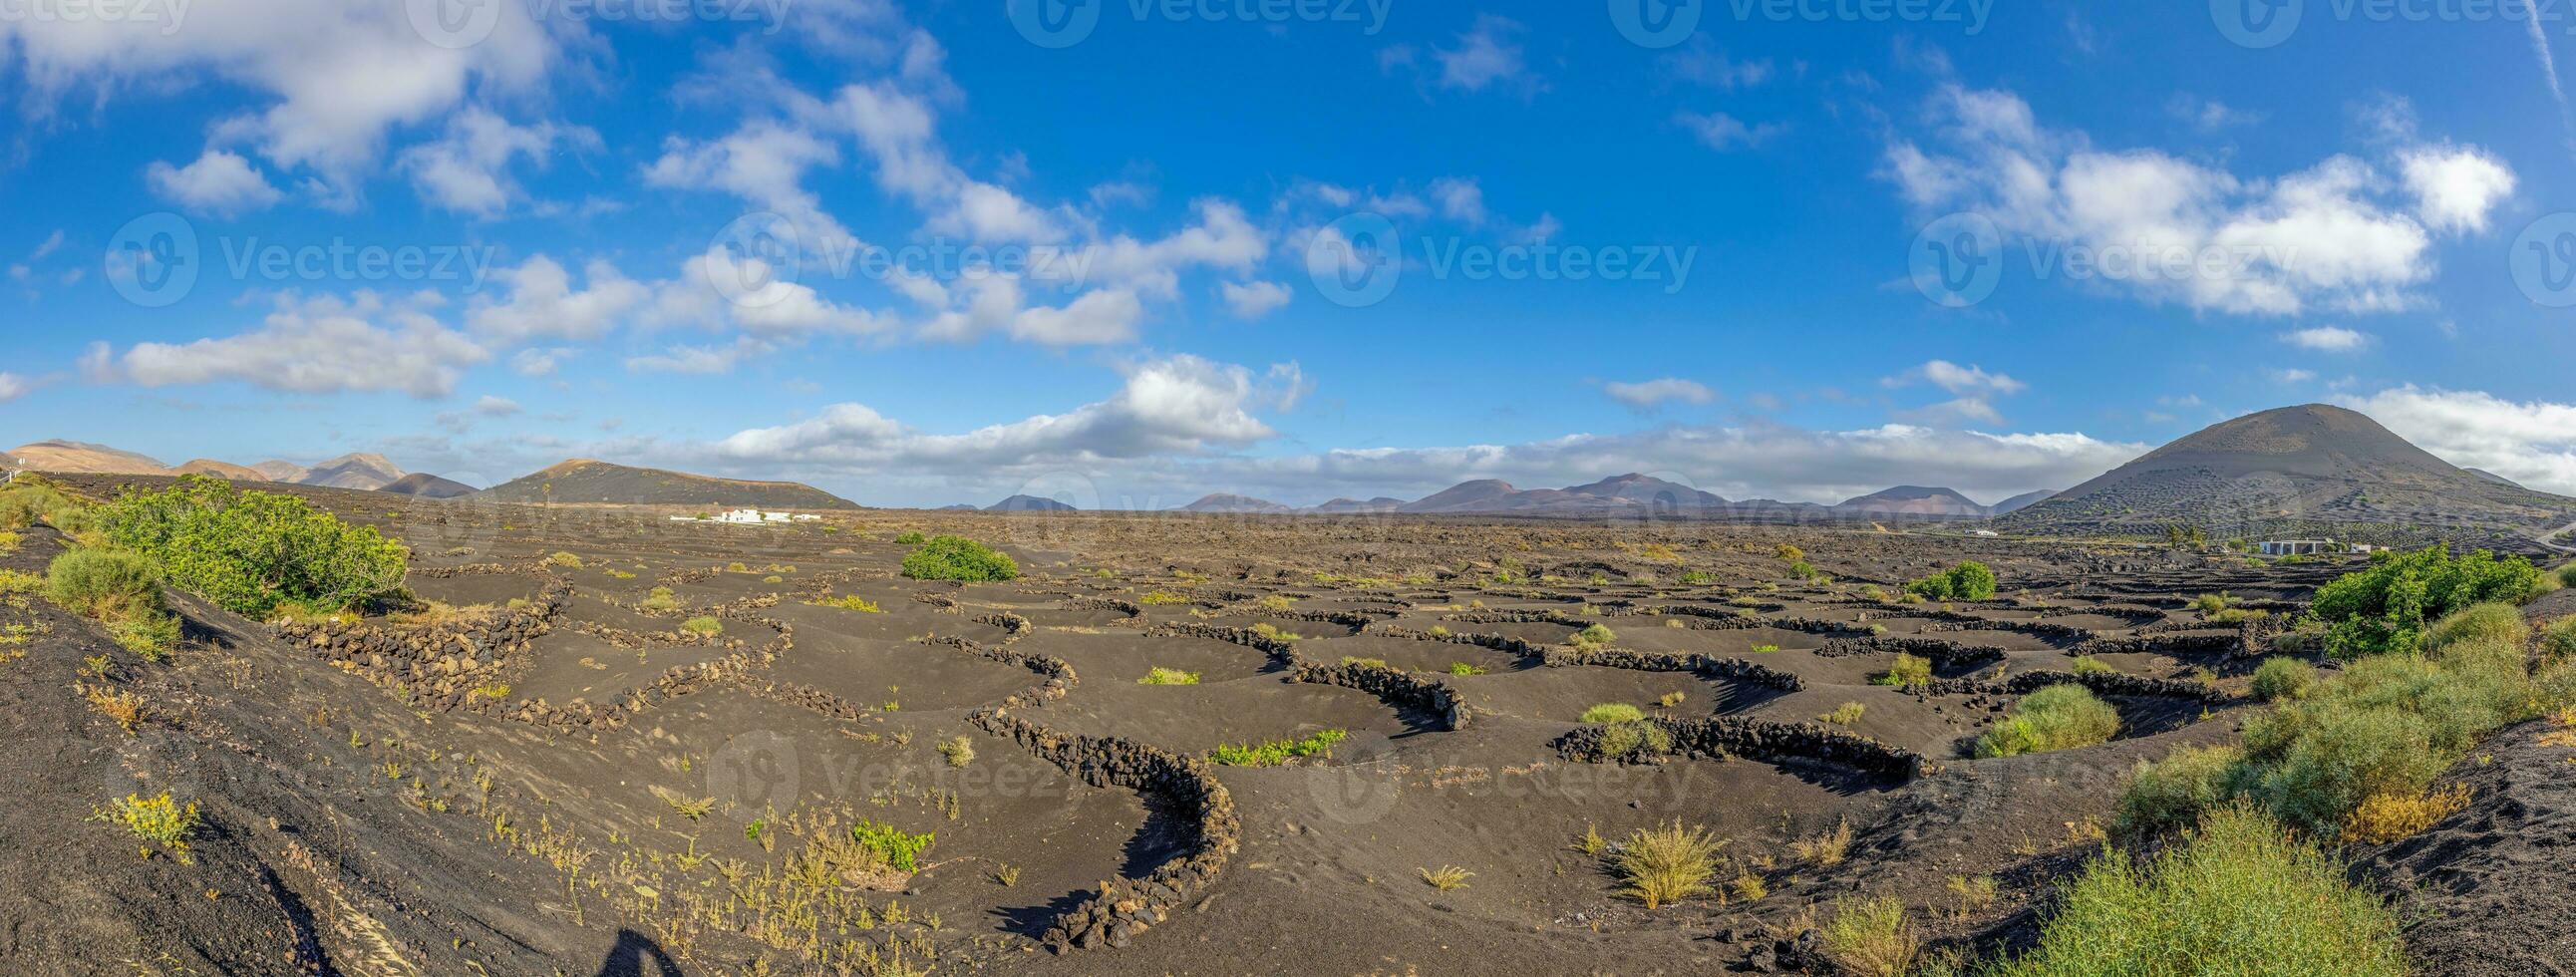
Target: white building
x=2306, y=547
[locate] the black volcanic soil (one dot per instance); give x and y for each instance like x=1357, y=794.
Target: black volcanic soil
x=354, y=826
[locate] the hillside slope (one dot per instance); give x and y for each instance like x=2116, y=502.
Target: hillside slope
x=2297, y=470
x=583, y=481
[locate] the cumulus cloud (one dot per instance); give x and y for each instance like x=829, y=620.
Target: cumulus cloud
x=542, y=303
x=324, y=93
x=1177, y=406
x=1973, y=388
x=12, y=387
x=312, y=345
x=491, y=406
x=2338, y=235
x=1649, y=394
x=1484, y=55
x=1252, y=300
x=467, y=169
x=1724, y=133
x=763, y=162
x=2532, y=442
x=2328, y=339
x=219, y=183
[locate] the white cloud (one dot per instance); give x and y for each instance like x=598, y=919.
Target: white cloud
x=1648, y=394
x=703, y=360
x=2293, y=375
x=2328, y=339
x=2455, y=188
x=543, y=304
x=12, y=387
x=2334, y=236
x=322, y=344
x=1723, y=132
x=51, y=243
x=1958, y=379
x=538, y=362
x=1182, y=405
x=467, y=169
x=746, y=292
x=2530, y=442
x=764, y=163
x=1252, y=300
x=219, y=183
x=1485, y=55
x=331, y=86
x=491, y=406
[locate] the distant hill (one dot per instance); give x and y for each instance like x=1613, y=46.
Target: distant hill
x=279, y=471
x=1481, y=495
x=1224, y=502
x=1653, y=493
x=1915, y=500
x=1379, y=504
x=428, y=486
x=2022, y=501
x=962, y=507
x=222, y=469
x=2492, y=477
x=1028, y=503
x=2296, y=470
x=352, y=471
x=584, y=481
x=78, y=457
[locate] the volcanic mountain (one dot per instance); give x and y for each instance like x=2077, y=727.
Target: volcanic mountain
x=1225, y=502
x=428, y=486
x=2022, y=501
x=78, y=457
x=356, y=470
x=1915, y=500
x=1028, y=503
x=2298, y=470
x=222, y=469
x=584, y=481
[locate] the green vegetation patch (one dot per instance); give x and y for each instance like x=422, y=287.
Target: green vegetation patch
x=250, y=551
x=1970, y=580
x=2387, y=607
x=1276, y=752
x=958, y=558
x=2058, y=717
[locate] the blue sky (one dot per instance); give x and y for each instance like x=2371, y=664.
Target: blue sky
x=1149, y=259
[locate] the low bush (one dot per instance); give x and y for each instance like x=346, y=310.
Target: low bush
x=958, y=751
x=702, y=624
x=1906, y=670
x=158, y=820
x=2058, y=717
x=1593, y=636
x=2241, y=896
x=2089, y=665
x=567, y=561
x=1276, y=752
x=1970, y=580
x=30, y=500
x=2174, y=792
x=891, y=846
x=1845, y=714
x=850, y=602
x=1667, y=864
x=1613, y=712
x=1168, y=676
x=2489, y=622
x=909, y=538
x=1446, y=878
x=1462, y=668
x=958, y=558
x=250, y=551
x=2558, y=640
x=104, y=584
x=1873, y=936
x=1633, y=738
x=2281, y=678
x=2387, y=607
x=2383, y=818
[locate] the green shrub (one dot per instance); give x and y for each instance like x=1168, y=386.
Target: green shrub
x=1612, y=712
x=2567, y=575
x=1593, y=636
x=1276, y=752
x=958, y=558
x=29, y=500
x=104, y=584
x=702, y=624
x=1634, y=737
x=2558, y=640
x=2089, y=665
x=1873, y=937
x=1159, y=675
x=2241, y=897
x=149, y=634
x=1463, y=668
x=1907, y=670
x=2281, y=678
x=2387, y=607
x=2174, y=792
x=249, y=551
x=2489, y=622
x=909, y=538
x=1970, y=580
x=891, y=846
x=2058, y=717
x=1668, y=863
